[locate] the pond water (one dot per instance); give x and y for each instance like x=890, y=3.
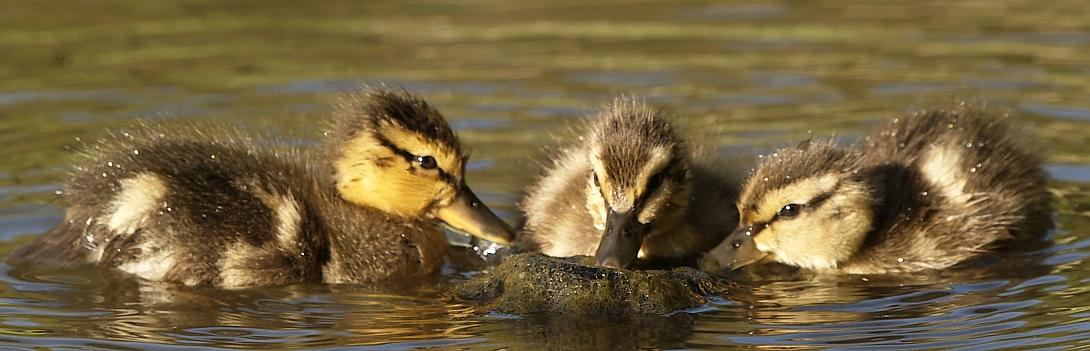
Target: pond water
x=746, y=76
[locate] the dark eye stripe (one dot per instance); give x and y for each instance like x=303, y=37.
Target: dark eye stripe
x=820, y=199
x=656, y=180
x=813, y=203
x=409, y=157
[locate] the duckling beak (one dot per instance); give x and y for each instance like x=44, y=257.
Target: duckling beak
x=736, y=251
x=622, y=240
x=468, y=214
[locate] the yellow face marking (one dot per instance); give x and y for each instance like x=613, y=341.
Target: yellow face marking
x=371, y=173
x=449, y=160
x=820, y=237
x=626, y=198
x=799, y=192
x=605, y=183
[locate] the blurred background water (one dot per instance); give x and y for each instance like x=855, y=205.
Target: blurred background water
x=746, y=76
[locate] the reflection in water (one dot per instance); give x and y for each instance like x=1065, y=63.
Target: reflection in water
x=985, y=303
x=748, y=76
x=558, y=332
x=122, y=309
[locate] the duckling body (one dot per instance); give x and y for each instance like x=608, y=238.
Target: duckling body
x=929, y=191
x=230, y=213
x=630, y=163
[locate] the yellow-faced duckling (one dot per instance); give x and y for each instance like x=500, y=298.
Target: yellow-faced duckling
x=229, y=212
x=629, y=188
x=929, y=191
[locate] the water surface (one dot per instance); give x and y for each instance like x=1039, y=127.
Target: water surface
x=744, y=76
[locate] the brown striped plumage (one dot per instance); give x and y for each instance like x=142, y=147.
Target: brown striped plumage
x=181, y=206
x=930, y=190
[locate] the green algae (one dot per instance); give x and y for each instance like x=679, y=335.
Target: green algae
x=532, y=283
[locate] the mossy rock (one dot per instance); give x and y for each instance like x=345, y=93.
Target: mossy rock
x=533, y=283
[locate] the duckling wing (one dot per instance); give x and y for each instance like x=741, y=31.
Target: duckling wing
x=959, y=182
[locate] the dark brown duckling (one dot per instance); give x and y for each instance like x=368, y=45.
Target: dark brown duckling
x=630, y=188
x=929, y=191
x=229, y=212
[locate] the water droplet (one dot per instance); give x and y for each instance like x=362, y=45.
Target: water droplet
x=972, y=170
x=899, y=259
x=110, y=164
x=104, y=175
x=213, y=156
x=58, y=192
x=950, y=126
x=923, y=194
x=896, y=120
x=766, y=178
x=135, y=152
x=969, y=145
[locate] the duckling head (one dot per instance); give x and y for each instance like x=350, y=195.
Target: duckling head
x=639, y=173
x=393, y=152
x=805, y=206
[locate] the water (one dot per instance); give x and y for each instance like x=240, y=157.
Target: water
x=747, y=76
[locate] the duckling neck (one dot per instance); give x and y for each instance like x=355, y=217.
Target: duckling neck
x=671, y=236
x=370, y=245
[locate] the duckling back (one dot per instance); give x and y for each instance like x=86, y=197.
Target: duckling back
x=168, y=205
x=224, y=211
x=965, y=185
x=929, y=191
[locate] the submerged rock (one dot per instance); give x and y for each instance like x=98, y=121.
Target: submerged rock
x=533, y=283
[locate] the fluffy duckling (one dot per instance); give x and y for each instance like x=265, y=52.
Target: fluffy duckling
x=931, y=190
x=628, y=189
x=228, y=212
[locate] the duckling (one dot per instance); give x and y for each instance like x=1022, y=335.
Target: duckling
x=230, y=213
x=629, y=188
x=931, y=190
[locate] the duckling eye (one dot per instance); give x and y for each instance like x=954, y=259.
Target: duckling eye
x=655, y=181
x=426, y=162
x=791, y=210
x=596, y=183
